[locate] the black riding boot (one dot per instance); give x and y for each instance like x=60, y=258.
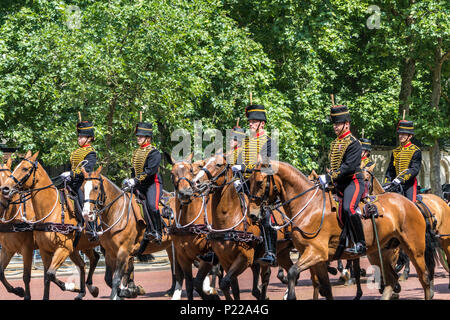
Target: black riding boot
x=270, y=241
x=156, y=232
x=210, y=257
x=358, y=232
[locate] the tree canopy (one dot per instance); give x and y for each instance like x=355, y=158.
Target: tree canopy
x=182, y=61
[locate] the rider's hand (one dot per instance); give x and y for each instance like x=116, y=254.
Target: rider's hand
x=65, y=175
x=325, y=180
x=396, y=182
x=130, y=183
x=236, y=168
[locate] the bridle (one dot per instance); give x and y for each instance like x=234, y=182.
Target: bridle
x=100, y=201
x=31, y=171
x=265, y=206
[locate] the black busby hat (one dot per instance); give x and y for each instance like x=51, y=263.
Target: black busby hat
x=237, y=133
x=340, y=114
x=85, y=128
x=405, y=126
x=366, y=144
x=144, y=129
x=256, y=112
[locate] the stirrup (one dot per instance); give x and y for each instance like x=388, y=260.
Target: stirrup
x=358, y=248
x=268, y=258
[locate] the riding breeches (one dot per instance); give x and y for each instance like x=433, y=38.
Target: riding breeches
x=153, y=193
x=351, y=194
x=410, y=190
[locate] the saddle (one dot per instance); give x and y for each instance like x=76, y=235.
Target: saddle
x=167, y=212
x=426, y=212
x=367, y=208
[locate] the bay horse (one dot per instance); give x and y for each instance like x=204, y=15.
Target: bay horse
x=438, y=218
x=235, y=237
x=54, y=237
x=21, y=242
x=316, y=230
x=120, y=214
x=189, y=231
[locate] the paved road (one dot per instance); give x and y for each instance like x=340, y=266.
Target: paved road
x=155, y=278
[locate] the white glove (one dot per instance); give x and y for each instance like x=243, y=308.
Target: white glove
x=324, y=180
x=397, y=181
x=236, y=168
x=130, y=183
x=65, y=175
x=237, y=184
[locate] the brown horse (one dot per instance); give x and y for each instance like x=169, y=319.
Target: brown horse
x=439, y=217
x=124, y=226
x=189, y=231
x=316, y=230
x=54, y=247
x=16, y=242
x=235, y=237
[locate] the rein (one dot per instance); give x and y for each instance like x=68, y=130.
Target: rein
x=275, y=206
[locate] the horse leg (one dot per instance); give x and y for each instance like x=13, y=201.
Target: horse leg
x=237, y=267
x=27, y=255
x=76, y=258
x=169, y=251
x=265, y=277
x=405, y=274
x=255, y=267
x=357, y=271
x=310, y=257
x=235, y=288
x=324, y=285
x=179, y=276
x=202, y=272
x=121, y=264
x=93, y=257
x=5, y=258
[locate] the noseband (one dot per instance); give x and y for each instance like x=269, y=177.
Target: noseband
x=31, y=171
x=100, y=201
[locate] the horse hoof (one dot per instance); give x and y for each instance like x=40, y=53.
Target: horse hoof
x=397, y=288
x=169, y=293
x=363, y=272
x=403, y=277
x=140, y=291
x=94, y=291
x=18, y=291
x=79, y=297
x=395, y=296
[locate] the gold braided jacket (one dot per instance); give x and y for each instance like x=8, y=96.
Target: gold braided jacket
x=251, y=149
x=337, y=151
x=77, y=156
x=138, y=161
x=402, y=159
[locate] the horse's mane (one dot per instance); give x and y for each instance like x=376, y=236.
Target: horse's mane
x=294, y=169
x=112, y=183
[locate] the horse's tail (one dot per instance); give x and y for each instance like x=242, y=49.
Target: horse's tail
x=431, y=247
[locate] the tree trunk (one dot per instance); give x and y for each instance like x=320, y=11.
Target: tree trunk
x=108, y=138
x=435, y=154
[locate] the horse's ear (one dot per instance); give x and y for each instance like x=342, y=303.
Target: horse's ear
x=314, y=175
x=370, y=169
x=84, y=172
x=98, y=171
x=189, y=158
x=9, y=163
x=34, y=157
x=28, y=155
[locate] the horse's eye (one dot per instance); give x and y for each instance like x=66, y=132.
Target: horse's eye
x=24, y=169
x=95, y=188
x=218, y=165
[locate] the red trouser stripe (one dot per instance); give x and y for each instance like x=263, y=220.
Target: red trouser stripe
x=157, y=192
x=355, y=195
x=414, y=190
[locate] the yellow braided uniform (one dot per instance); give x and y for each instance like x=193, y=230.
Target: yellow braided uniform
x=251, y=148
x=77, y=156
x=138, y=161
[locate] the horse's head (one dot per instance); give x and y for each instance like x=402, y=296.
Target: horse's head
x=5, y=172
x=212, y=168
x=94, y=193
x=182, y=174
x=23, y=177
x=263, y=187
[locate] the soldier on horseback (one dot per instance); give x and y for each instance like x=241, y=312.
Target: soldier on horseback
x=146, y=179
x=255, y=148
x=346, y=175
x=366, y=147
x=84, y=156
x=405, y=163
